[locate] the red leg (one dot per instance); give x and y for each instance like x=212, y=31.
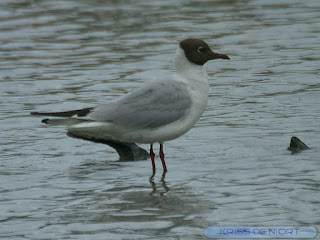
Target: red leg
x=163, y=162
x=152, y=162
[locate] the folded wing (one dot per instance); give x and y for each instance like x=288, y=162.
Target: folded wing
x=151, y=106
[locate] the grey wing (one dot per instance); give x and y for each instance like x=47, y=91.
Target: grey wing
x=151, y=106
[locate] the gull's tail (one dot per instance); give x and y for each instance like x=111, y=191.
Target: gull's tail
x=68, y=117
x=79, y=113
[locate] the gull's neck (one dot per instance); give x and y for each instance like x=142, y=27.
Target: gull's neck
x=188, y=70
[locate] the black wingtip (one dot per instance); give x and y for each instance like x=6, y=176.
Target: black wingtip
x=34, y=113
x=45, y=120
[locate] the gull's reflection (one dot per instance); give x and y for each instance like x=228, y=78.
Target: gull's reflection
x=164, y=188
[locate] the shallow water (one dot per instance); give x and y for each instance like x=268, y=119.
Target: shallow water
x=232, y=168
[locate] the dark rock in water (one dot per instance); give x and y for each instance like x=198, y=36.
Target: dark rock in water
x=126, y=151
x=296, y=145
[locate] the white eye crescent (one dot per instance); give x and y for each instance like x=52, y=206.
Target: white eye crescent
x=201, y=49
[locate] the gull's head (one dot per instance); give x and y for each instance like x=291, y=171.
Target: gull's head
x=198, y=52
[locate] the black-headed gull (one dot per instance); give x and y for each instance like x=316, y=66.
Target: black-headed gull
x=156, y=112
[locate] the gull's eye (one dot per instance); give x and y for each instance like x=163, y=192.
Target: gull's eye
x=201, y=49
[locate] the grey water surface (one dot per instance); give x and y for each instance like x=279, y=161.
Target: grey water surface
x=232, y=168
